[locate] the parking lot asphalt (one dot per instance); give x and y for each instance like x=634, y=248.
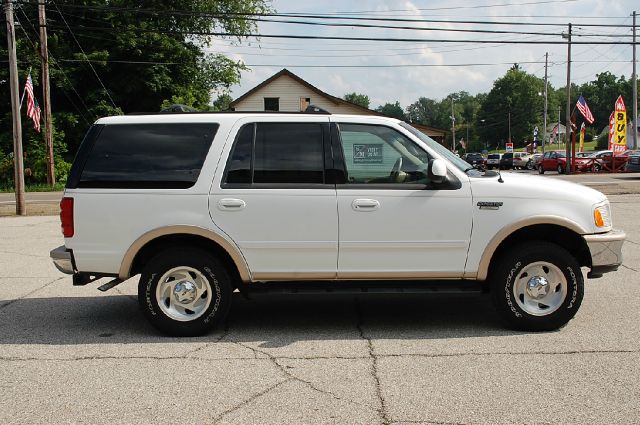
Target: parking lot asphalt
x=75, y=355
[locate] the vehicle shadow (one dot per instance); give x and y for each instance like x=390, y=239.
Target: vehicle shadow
x=272, y=321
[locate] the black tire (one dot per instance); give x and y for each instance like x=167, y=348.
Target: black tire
x=529, y=165
x=540, y=169
x=505, y=274
x=560, y=169
x=596, y=168
x=209, y=267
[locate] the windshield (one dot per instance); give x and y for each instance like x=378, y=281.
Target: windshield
x=459, y=163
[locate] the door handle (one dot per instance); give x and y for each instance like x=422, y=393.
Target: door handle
x=231, y=204
x=365, y=205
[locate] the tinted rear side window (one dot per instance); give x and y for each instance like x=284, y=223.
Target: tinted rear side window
x=148, y=156
x=276, y=153
x=288, y=153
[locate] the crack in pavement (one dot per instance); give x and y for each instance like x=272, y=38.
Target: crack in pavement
x=272, y=358
x=249, y=400
x=225, y=332
x=7, y=304
x=282, y=368
x=429, y=422
x=629, y=268
x=382, y=411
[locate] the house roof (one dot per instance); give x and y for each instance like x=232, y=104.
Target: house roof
x=286, y=72
x=335, y=100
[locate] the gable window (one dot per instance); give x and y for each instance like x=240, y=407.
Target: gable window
x=304, y=103
x=272, y=104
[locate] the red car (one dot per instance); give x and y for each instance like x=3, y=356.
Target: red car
x=604, y=160
x=557, y=161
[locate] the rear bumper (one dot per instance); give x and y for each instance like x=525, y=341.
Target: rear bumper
x=63, y=259
x=606, y=251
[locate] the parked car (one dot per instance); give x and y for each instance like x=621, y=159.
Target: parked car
x=475, y=159
x=506, y=161
x=534, y=161
x=200, y=205
x=493, y=160
x=633, y=164
x=557, y=161
x=606, y=160
x=521, y=160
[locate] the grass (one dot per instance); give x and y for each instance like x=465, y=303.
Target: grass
x=35, y=187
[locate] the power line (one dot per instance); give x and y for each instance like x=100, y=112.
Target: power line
x=85, y=56
x=387, y=39
x=326, y=16
x=55, y=63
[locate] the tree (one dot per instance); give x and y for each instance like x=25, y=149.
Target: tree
x=358, y=99
x=222, y=103
x=392, y=110
x=515, y=95
x=424, y=111
x=133, y=58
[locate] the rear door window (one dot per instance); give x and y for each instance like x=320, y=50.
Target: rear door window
x=167, y=156
x=277, y=154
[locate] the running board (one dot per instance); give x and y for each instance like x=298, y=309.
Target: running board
x=438, y=287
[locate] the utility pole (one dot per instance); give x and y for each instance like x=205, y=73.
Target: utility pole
x=509, y=118
x=558, y=132
x=48, y=132
x=15, y=110
x=453, y=128
x=568, y=110
x=544, y=133
x=635, y=88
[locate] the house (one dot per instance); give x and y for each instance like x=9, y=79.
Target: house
x=286, y=92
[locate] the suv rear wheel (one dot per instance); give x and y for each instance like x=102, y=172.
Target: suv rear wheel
x=184, y=292
x=537, y=286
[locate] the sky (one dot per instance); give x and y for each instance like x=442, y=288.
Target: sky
x=383, y=80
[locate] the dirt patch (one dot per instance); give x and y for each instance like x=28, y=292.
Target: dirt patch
x=32, y=209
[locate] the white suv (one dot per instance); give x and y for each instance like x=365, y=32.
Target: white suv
x=202, y=204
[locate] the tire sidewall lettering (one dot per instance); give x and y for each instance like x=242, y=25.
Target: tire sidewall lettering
x=508, y=289
x=148, y=291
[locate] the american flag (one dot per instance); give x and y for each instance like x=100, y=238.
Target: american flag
x=33, y=109
x=584, y=110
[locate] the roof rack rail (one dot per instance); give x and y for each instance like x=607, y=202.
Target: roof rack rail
x=313, y=109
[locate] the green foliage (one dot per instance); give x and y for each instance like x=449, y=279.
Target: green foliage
x=358, y=99
x=515, y=94
x=222, y=103
x=143, y=60
x=392, y=110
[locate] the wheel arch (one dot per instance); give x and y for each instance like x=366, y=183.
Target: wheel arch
x=152, y=242
x=558, y=230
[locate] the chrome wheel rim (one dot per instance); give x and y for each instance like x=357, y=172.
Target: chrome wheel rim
x=540, y=288
x=183, y=294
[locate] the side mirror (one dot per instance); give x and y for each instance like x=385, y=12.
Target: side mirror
x=437, y=171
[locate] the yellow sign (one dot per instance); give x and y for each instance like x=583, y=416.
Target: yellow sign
x=620, y=138
x=582, y=130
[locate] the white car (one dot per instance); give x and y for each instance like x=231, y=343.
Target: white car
x=199, y=205
x=493, y=160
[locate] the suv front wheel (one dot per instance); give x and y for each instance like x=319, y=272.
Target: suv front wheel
x=184, y=292
x=537, y=286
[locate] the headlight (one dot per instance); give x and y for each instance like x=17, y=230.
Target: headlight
x=602, y=215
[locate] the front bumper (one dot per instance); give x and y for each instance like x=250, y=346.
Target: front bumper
x=606, y=251
x=63, y=259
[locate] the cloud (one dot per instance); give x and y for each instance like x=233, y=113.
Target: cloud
x=407, y=84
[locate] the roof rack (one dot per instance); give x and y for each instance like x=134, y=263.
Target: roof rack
x=310, y=110
x=313, y=109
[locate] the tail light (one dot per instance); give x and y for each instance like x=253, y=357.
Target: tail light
x=66, y=216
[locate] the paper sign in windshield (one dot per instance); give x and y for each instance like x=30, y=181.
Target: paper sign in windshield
x=367, y=153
